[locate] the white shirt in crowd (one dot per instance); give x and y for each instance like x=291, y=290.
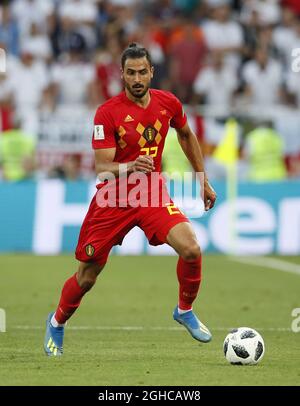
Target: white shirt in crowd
x=73, y=80
x=293, y=85
x=217, y=85
x=123, y=3
x=224, y=35
x=81, y=11
x=39, y=46
x=27, y=84
x=285, y=39
x=5, y=84
x=32, y=11
x=268, y=11
x=263, y=83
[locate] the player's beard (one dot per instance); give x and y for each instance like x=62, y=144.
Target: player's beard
x=137, y=92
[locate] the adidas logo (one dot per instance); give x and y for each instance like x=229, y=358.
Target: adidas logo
x=128, y=119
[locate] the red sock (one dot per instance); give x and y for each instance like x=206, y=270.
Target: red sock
x=70, y=299
x=189, y=278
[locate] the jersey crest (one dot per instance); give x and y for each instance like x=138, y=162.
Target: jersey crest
x=149, y=134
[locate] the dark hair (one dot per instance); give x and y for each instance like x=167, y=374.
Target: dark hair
x=135, y=51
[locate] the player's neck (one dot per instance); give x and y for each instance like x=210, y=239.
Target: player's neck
x=142, y=101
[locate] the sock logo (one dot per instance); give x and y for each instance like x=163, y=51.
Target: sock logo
x=89, y=249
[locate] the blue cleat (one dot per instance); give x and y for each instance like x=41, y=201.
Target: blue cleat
x=53, y=343
x=197, y=329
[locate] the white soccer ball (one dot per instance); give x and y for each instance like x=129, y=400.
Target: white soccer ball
x=244, y=346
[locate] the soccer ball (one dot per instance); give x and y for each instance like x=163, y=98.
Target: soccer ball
x=244, y=346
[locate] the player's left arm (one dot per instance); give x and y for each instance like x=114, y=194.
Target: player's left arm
x=190, y=146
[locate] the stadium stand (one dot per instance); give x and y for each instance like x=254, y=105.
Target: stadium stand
x=221, y=57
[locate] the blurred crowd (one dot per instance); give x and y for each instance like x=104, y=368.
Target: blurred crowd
x=64, y=56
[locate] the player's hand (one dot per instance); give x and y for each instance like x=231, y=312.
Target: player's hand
x=210, y=196
x=144, y=163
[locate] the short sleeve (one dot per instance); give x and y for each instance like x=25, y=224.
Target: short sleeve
x=104, y=131
x=202, y=82
x=179, y=118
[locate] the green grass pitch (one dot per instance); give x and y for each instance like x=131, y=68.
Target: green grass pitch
x=124, y=334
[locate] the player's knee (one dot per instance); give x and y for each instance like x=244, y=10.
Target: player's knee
x=87, y=275
x=191, y=252
x=87, y=284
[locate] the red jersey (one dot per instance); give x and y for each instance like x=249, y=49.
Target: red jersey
x=133, y=130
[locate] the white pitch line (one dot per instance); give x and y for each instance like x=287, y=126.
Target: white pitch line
x=271, y=263
x=141, y=328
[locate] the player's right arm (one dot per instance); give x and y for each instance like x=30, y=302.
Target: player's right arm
x=106, y=168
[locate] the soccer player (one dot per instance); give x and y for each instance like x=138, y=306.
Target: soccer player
x=128, y=139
